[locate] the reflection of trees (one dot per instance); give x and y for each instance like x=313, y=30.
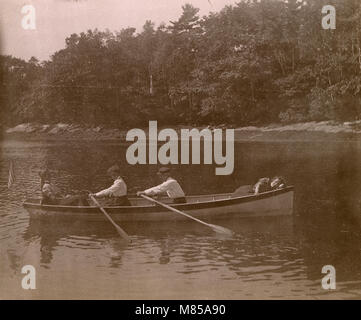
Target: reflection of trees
x=257, y=241
x=347, y=184
x=322, y=240
x=81, y=166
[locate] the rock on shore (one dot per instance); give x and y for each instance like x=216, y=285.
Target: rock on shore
x=297, y=131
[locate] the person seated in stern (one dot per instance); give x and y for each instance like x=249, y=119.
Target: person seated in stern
x=116, y=194
x=51, y=194
x=169, y=186
x=278, y=183
x=262, y=185
x=48, y=191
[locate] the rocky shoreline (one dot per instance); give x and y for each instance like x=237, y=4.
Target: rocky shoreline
x=325, y=130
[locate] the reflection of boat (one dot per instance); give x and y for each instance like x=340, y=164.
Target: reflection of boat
x=173, y=239
x=241, y=204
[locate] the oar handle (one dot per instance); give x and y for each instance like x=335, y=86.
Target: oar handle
x=100, y=207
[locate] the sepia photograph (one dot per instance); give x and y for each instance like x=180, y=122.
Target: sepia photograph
x=180, y=150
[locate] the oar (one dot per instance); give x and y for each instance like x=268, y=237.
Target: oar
x=119, y=229
x=215, y=228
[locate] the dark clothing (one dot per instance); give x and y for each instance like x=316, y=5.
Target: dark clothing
x=116, y=201
x=179, y=200
x=122, y=201
x=76, y=200
x=48, y=201
x=67, y=201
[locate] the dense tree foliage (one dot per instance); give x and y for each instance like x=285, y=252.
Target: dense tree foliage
x=252, y=63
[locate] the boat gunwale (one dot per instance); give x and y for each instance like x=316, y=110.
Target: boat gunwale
x=184, y=206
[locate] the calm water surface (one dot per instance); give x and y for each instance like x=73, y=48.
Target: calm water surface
x=274, y=258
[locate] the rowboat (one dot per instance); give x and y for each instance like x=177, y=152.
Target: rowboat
x=211, y=207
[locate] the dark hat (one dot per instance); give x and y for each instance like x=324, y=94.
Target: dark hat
x=114, y=169
x=163, y=170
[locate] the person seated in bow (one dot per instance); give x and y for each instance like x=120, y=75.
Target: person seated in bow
x=169, y=187
x=116, y=194
x=262, y=185
x=278, y=183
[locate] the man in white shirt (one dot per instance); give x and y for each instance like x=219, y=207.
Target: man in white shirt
x=170, y=187
x=116, y=194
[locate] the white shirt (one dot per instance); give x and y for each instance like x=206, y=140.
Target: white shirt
x=117, y=189
x=171, y=187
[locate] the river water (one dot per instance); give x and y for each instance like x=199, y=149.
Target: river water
x=273, y=258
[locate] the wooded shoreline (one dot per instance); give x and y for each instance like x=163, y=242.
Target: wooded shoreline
x=256, y=62
x=306, y=131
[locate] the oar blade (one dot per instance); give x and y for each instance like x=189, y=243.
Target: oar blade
x=221, y=230
x=123, y=234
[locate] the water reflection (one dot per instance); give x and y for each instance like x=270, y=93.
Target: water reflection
x=255, y=242
x=267, y=257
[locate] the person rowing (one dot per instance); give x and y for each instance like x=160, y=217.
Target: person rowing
x=116, y=194
x=169, y=186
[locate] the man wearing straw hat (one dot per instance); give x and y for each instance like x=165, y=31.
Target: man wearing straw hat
x=169, y=186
